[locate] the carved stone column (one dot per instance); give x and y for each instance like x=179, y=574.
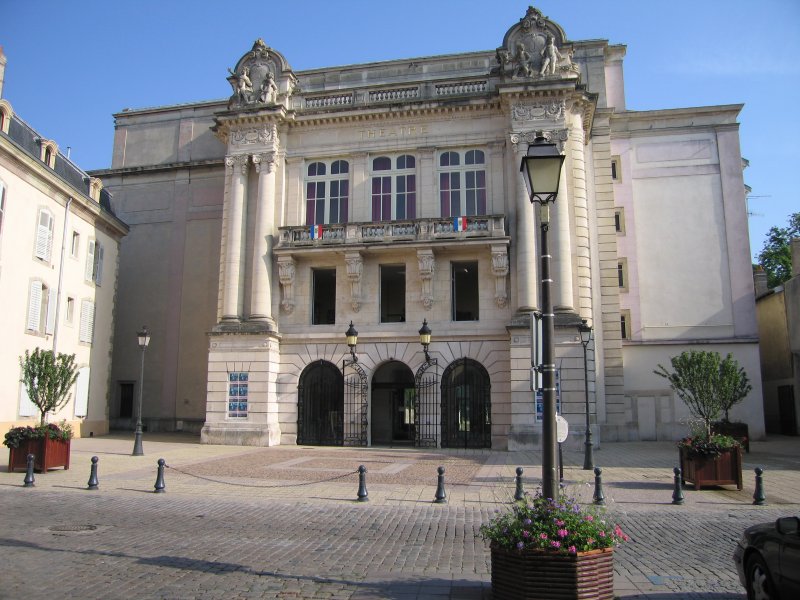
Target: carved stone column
x=261, y=283
x=427, y=268
x=286, y=273
x=500, y=272
x=237, y=166
x=563, y=299
x=527, y=291
x=577, y=157
x=355, y=267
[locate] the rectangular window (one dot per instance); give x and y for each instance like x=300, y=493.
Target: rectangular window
x=76, y=244
x=462, y=183
x=238, y=388
x=41, y=309
x=94, y=262
x=619, y=220
x=464, y=278
x=87, y=322
x=44, y=236
x=327, y=192
x=82, y=392
x=616, y=172
x=324, y=296
x=622, y=274
x=394, y=188
x=393, y=293
x=625, y=324
x=70, y=310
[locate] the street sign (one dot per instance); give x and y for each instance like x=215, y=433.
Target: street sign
x=562, y=429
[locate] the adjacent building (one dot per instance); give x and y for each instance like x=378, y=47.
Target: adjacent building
x=59, y=245
x=388, y=196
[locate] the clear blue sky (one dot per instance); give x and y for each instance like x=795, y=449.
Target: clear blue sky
x=71, y=65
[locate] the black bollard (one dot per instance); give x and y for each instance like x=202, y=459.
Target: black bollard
x=441, y=496
x=759, y=498
x=520, y=494
x=160, y=477
x=363, y=495
x=677, y=491
x=29, y=479
x=93, y=483
x=598, y=497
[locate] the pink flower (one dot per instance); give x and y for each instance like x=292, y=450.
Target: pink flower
x=562, y=533
x=573, y=550
x=589, y=518
x=602, y=534
x=560, y=523
x=543, y=536
x=555, y=544
x=526, y=534
x=590, y=541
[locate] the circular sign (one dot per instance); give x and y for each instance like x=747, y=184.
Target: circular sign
x=562, y=429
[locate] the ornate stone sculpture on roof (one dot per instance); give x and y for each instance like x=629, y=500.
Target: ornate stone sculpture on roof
x=535, y=48
x=262, y=77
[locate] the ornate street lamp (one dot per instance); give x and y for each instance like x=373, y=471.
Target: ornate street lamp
x=144, y=339
x=541, y=169
x=352, y=340
x=425, y=338
x=586, y=337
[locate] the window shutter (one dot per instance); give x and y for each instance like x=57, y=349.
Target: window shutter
x=98, y=277
x=44, y=236
x=34, y=305
x=26, y=407
x=51, y=312
x=89, y=260
x=82, y=393
x=87, y=321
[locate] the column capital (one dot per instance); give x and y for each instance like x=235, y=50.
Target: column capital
x=240, y=161
x=520, y=140
x=266, y=161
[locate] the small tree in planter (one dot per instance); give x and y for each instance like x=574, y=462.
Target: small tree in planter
x=47, y=378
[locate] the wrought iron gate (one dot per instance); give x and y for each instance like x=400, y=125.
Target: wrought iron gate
x=466, y=405
x=426, y=406
x=355, y=405
x=320, y=404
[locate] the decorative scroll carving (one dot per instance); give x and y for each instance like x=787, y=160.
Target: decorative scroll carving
x=267, y=161
x=286, y=274
x=355, y=268
x=427, y=268
x=555, y=136
x=232, y=161
x=538, y=112
x=500, y=272
x=262, y=135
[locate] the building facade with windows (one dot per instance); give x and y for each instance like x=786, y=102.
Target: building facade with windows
x=387, y=195
x=58, y=266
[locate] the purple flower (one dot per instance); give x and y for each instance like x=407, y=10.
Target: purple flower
x=527, y=522
x=573, y=550
x=520, y=545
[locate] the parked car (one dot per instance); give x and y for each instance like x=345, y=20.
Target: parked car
x=768, y=560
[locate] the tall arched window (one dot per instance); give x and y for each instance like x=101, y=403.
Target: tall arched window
x=327, y=192
x=462, y=183
x=320, y=405
x=394, y=188
x=466, y=405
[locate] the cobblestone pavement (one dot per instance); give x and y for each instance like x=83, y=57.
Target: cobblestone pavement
x=283, y=522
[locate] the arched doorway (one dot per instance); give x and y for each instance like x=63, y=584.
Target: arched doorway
x=320, y=405
x=392, y=408
x=466, y=405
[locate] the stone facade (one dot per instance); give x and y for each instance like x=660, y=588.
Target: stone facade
x=388, y=194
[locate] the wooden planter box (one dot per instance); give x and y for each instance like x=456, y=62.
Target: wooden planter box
x=738, y=431
x=725, y=469
x=49, y=454
x=543, y=575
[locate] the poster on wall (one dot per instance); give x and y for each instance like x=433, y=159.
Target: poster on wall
x=540, y=399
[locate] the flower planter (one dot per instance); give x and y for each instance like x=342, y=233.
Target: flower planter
x=738, y=431
x=725, y=469
x=531, y=573
x=49, y=454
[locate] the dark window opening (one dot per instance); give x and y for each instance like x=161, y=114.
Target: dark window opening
x=465, y=291
x=126, y=400
x=623, y=327
x=393, y=293
x=324, y=294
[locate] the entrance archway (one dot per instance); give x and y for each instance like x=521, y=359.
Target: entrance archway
x=320, y=405
x=392, y=407
x=466, y=405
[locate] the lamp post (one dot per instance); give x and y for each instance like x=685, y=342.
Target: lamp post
x=352, y=340
x=144, y=339
x=586, y=336
x=541, y=168
x=425, y=339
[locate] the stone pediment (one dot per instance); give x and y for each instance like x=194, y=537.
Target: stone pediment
x=262, y=77
x=535, y=48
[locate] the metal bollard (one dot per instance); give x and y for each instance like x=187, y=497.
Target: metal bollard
x=160, y=477
x=759, y=498
x=363, y=495
x=441, y=496
x=29, y=479
x=93, y=483
x=520, y=493
x=677, y=490
x=598, y=497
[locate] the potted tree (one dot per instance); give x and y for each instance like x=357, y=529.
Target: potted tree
x=705, y=383
x=543, y=548
x=47, y=378
x=732, y=387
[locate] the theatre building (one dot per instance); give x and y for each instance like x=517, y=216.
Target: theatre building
x=389, y=195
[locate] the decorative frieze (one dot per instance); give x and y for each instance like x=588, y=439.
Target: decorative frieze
x=500, y=272
x=286, y=276
x=355, y=269
x=257, y=135
x=553, y=111
x=427, y=268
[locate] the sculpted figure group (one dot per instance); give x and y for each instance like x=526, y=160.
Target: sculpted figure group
x=519, y=63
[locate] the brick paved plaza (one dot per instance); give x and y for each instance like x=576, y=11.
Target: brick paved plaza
x=284, y=522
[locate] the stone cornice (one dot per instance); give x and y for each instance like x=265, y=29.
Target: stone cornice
x=147, y=169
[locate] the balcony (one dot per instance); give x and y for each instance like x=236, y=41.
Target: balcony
x=486, y=227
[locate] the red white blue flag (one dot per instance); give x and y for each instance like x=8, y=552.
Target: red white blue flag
x=316, y=232
x=460, y=224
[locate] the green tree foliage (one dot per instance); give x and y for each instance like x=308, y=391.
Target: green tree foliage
x=776, y=255
x=48, y=377
x=706, y=383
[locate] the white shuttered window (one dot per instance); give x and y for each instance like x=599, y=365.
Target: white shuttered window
x=41, y=308
x=44, y=235
x=82, y=393
x=26, y=407
x=87, y=321
x=94, y=262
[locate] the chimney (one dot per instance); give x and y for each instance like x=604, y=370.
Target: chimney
x=795, y=256
x=760, y=282
x=2, y=70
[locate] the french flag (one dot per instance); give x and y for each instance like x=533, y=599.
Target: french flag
x=460, y=224
x=316, y=232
